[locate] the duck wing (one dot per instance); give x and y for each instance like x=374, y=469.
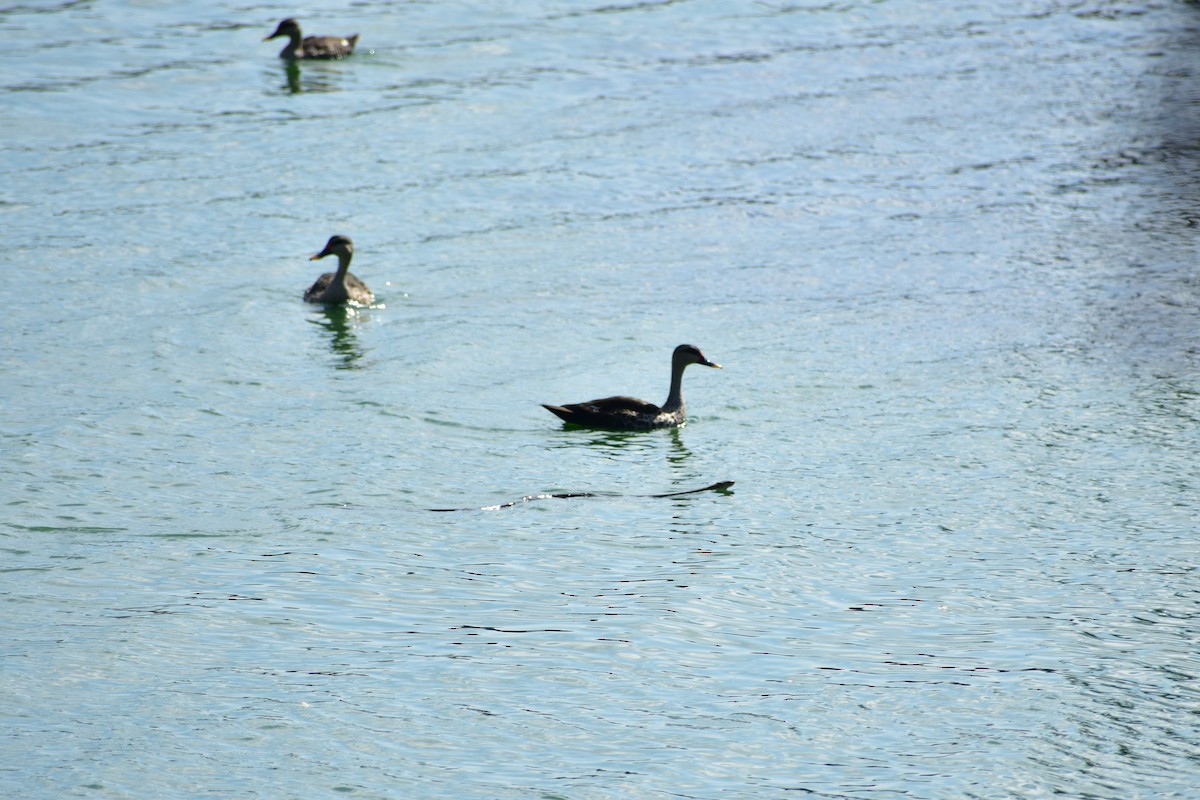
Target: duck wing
x=607, y=412
x=328, y=46
x=313, y=293
x=358, y=291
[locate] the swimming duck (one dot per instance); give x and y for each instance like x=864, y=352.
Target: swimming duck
x=629, y=413
x=299, y=46
x=338, y=287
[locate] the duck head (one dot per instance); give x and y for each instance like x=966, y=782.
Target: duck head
x=288, y=27
x=340, y=246
x=690, y=354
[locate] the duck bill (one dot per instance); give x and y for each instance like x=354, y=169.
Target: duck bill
x=316, y=256
x=711, y=364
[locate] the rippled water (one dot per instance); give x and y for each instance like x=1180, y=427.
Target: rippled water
x=945, y=253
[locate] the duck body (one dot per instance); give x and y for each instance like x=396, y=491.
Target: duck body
x=300, y=46
x=631, y=414
x=334, y=288
x=618, y=413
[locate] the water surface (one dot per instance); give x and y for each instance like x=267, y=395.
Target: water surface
x=946, y=258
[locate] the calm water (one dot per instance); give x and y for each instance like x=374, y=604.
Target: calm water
x=945, y=252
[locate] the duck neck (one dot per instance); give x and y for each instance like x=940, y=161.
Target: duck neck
x=337, y=291
x=293, y=46
x=343, y=268
x=675, y=398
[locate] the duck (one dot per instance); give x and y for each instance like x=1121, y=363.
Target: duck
x=631, y=414
x=333, y=288
x=300, y=46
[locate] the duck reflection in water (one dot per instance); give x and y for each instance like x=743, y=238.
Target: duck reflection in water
x=318, y=76
x=620, y=444
x=292, y=70
x=679, y=453
x=341, y=322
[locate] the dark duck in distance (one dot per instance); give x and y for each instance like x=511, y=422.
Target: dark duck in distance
x=334, y=288
x=300, y=46
x=631, y=414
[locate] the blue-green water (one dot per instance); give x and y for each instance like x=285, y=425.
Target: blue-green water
x=946, y=254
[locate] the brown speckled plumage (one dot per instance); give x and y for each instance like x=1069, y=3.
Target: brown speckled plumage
x=300, y=46
x=333, y=288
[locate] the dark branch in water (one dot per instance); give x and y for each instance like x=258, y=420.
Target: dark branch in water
x=720, y=486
